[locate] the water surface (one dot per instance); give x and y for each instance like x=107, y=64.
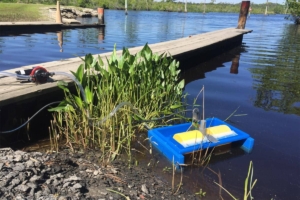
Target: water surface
x=264, y=88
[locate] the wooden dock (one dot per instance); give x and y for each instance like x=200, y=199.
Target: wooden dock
x=7, y=28
x=201, y=46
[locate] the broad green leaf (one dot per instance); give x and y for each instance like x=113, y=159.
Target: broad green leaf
x=88, y=95
x=88, y=61
x=181, y=84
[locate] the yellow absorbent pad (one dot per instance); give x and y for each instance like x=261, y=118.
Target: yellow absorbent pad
x=194, y=137
x=220, y=131
x=190, y=138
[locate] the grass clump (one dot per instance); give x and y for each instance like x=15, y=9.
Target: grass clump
x=19, y=12
x=148, y=81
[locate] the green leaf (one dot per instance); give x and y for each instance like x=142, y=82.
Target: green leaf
x=88, y=94
x=176, y=106
x=63, y=85
x=100, y=61
x=181, y=84
x=79, y=102
x=79, y=73
x=88, y=61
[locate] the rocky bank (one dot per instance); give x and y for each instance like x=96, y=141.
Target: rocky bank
x=65, y=175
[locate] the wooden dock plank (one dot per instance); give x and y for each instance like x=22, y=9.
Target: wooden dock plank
x=12, y=90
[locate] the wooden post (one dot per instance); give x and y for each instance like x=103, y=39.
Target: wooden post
x=126, y=7
x=243, y=14
x=58, y=14
x=185, y=9
x=266, y=11
x=100, y=15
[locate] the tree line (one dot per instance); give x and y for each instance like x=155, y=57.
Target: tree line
x=164, y=5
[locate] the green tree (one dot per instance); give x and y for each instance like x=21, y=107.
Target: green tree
x=294, y=8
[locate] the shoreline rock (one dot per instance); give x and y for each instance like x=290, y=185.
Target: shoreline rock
x=64, y=175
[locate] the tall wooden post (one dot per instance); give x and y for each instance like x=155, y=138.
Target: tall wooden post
x=243, y=14
x=126, y=7
x=58, y=14
x=266, y=11
x=185, y=9
x=100, y=15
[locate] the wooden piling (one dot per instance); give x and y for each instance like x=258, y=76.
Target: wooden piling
x=58, y=14
x=100, y=15
x=243, y=14
x=126, y=7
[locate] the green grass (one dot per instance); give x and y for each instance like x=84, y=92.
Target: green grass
x=12, y=12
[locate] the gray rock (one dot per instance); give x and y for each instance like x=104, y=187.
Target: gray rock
x=56, y=182
x=29, y=164
x=26, y=157
x=38, y=194
x=96, y=172
x=10, y=158
x=32, y=185
x=36, y=154
x=18, y=152
x=18, y=158
x=19, y=167
x=1, y=165
x=11, y=175
x=77, y=186
x=66, y=184
x=46, y=191
x=15, y=181
x=22, y=176
x=145, y=189
x=114, y=170
x=22, y=188
x=35, y=178
x=72, y=178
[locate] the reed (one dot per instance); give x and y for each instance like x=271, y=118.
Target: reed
x=148, y=81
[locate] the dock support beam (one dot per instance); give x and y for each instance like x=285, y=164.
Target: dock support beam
x=243, y=14
x=100, y=15
x=58, y=14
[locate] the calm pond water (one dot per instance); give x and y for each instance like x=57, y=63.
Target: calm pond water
x=265, y=89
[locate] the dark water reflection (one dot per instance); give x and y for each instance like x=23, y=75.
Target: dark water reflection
x=277, y=75
x=260, y=78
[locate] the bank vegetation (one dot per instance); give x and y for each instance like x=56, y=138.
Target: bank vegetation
x=167, y=5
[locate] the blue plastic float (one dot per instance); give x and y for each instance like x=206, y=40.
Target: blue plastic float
x=163, y=140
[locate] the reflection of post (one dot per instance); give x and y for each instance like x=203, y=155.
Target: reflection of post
x=100, y=15
x=243, y=14
x=235, y=64
x=60, y=40
x=101, y=34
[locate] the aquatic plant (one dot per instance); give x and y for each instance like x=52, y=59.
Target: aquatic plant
x=148, y=81
x=248, y=186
